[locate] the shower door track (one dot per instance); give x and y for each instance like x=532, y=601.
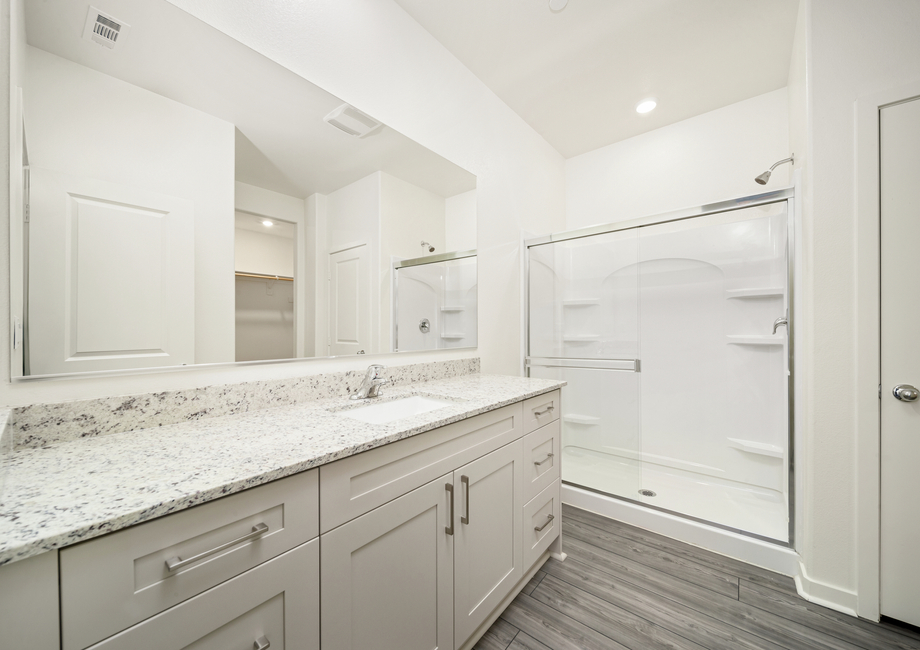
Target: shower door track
x=776, y=196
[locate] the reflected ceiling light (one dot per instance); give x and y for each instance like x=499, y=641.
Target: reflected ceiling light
x=267, y=223
x=646, y=105
x=557, y=5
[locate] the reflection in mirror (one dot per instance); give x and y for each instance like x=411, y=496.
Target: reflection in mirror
x=184, y=200
x=435, y=303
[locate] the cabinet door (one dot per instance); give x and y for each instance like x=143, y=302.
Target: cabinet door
x=387, y=576
x=487, y=547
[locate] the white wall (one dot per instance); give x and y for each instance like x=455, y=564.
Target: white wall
x=854, y=48
x=708, y=158
x=408, y=215
x=460, y=222
x=138, y=138
x=259, y=252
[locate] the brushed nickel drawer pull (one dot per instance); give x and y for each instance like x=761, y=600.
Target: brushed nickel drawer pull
x=465, y=480
x=548, y=456
x=548, y=409
x=262, y=643
x=549, y=518
x=450, y=490
x=177, y=562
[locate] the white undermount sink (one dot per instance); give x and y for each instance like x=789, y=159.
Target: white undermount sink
x=397, y=409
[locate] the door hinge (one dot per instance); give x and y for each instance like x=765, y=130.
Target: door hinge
x=880, y=391
x=27, y=194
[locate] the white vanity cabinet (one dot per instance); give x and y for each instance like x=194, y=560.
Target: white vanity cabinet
x=413, y=545
x=410, y=565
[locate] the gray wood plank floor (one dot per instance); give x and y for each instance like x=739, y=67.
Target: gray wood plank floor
x=624, y=588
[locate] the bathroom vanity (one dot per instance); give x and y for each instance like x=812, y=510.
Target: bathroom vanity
x=408, y=533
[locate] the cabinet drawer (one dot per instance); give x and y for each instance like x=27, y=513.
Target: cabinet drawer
x=353, y=486
x=544, y=511
x=541, y=410
x=110, y=583
x=277, y=603
x=541, y=459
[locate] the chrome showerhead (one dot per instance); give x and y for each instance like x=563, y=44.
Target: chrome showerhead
x=763, y=178
x=427, y=246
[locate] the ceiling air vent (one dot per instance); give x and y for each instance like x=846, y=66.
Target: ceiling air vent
x=104, y=29
x=352, y=121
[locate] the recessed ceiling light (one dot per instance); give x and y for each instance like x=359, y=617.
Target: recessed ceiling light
x=267, y=223
x=557, y=5
x=646, y=105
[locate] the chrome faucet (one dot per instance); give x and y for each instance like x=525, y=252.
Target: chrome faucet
x=373, y=380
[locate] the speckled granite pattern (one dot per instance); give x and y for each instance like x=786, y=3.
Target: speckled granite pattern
x=84, y=488
x=41, y=425
x=6, y=443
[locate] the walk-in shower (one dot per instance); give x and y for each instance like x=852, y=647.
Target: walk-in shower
x=679, y=390
x=435, y=302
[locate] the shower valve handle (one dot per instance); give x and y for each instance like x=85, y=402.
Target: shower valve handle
x=779, y=321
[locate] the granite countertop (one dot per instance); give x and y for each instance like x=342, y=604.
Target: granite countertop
x=77, y=490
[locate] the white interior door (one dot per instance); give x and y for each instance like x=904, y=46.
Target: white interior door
x=349, y=301
x=111, y=276
x=900, y=425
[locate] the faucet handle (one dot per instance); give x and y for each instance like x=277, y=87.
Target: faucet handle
x=374, y=371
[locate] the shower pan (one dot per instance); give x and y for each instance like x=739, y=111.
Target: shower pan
x=674, y=334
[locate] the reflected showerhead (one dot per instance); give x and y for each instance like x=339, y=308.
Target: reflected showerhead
x=765, y=177
x=427, y=246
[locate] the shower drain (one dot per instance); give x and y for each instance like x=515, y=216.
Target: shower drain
x=647, y=493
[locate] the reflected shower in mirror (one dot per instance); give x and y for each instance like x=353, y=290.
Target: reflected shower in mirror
x=184, y=200
x=435, y=302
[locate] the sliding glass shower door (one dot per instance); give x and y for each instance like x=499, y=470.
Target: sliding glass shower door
x=677, y=376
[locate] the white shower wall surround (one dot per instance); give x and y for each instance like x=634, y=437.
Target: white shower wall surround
x=41, y=425
x=703, y=424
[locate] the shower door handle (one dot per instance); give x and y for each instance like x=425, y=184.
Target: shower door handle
x=780, y=321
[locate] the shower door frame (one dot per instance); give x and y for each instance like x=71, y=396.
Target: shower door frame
x=786, y=195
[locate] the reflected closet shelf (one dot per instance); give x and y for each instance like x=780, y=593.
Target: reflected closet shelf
x=587, y=302
x=762, y=339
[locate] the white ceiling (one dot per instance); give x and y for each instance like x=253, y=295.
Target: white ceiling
x=576, y=75
x=253, y=222
x=282, y=143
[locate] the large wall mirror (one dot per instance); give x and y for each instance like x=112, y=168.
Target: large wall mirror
x=180, y=199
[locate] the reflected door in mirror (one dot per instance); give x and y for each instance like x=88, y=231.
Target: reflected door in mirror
x=349, y=298
x=111, y=276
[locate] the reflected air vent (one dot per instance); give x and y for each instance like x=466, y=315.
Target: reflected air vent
x=352, y=121
x=104, y=29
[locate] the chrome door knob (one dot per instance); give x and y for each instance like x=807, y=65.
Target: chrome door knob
x=905, y=392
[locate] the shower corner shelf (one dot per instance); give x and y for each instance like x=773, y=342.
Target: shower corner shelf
x=452, y=308
x=575, y=418
x=452, y=335
x=754, y=339
x=586, y=302
x=761, y=448
x=582, y=338
x=765, y=292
